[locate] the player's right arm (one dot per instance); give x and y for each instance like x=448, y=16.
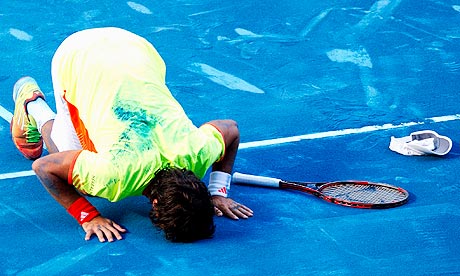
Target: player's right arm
x=52, y=171
x=231, y=135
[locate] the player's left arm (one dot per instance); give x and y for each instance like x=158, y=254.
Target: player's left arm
x=52, y=170
x=222, y=169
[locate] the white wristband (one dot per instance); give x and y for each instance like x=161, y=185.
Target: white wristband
x=219, y=183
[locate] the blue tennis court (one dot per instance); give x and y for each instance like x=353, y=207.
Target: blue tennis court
x=317, y=88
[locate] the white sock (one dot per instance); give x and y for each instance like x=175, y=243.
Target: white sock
x=41, y=112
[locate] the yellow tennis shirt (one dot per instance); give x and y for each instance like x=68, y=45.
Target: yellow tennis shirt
x=126, y=119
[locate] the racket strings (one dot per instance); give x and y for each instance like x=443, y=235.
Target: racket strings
x=373, y=194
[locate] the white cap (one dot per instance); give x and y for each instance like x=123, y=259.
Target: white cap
x=421, y=143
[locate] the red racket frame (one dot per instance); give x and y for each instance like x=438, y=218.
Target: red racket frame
x=303, y=187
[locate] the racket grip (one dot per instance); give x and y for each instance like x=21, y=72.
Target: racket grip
x=256, y=180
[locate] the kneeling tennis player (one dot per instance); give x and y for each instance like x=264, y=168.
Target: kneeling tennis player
x=118, y=132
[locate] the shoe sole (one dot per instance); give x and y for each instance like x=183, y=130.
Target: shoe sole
x=19, y=84
x=29, y=153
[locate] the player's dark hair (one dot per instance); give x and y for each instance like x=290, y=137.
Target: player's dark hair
x=184, y=210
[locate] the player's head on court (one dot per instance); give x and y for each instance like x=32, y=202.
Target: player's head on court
x=181, y=205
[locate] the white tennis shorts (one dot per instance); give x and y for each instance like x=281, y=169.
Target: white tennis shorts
x=63, y=133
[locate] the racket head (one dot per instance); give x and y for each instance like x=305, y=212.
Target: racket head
x=356, y=194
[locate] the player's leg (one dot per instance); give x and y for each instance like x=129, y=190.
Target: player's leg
x=61, y=134
x=30, y=114
x=34, y=122
x=46, y=134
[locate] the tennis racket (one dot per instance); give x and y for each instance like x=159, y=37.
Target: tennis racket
x=352, y=193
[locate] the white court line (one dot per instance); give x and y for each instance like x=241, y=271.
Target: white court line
x=16, y=174
x=335, y=133
x=5, y=114
x=311, y=136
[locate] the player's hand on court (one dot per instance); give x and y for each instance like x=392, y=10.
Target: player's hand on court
x=103, y=228
x=230, y=208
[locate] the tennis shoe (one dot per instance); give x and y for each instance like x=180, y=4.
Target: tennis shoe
x=24, y=132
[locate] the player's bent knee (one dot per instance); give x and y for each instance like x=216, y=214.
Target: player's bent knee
x=37, y=165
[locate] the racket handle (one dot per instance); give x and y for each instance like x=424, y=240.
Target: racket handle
x=256, y=180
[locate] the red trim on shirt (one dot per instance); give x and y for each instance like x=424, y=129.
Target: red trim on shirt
x=72, y=165
x=82, y=132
